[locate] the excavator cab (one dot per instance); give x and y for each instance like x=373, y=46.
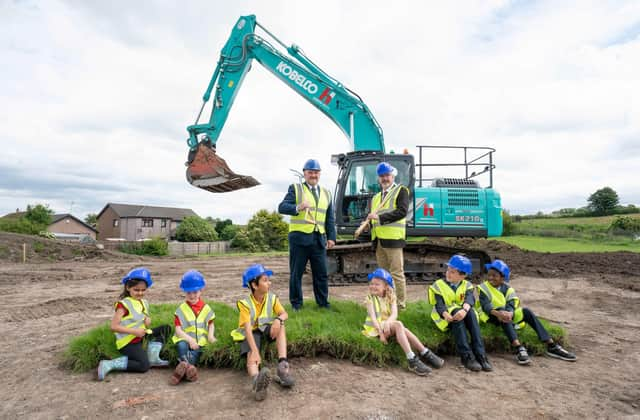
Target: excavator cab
x=208, y=171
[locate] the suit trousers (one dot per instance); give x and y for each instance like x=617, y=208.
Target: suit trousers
x=392, y=260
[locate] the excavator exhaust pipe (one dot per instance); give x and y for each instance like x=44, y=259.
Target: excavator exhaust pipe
x=208, y=171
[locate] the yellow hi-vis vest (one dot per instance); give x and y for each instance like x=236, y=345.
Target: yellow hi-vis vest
x=452, y=299
x=393, y=230
x=499, y=301
x=369, y=328
x=194, y=326
x=264, y=318
x=317, y=212
x=138, y=309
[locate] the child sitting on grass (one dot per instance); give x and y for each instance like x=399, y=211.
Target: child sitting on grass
x=194, y=327
x=130, y=324
x=262, y=319
x=453, y=302
x=382, y=322
x=501, y=306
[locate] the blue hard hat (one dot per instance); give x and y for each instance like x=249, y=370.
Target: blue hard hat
x=501, y=267
x=255, y=270
x=139, y=273
x=460, y=263
x=311, y=165
x=381, y=273
x=192, y=281
x=384, y=168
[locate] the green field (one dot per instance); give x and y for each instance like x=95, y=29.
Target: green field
x=553, y=244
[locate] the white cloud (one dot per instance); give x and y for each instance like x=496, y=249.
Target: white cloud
x=97, y=96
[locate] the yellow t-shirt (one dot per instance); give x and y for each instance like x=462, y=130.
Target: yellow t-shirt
x=245, y=314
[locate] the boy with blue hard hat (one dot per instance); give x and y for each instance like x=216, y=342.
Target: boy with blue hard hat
x=261, y=320
x=194, y=327
x=453, y=302
x=500, y=305
x=312, y=231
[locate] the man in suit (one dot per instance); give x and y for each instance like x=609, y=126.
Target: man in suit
x=311, y=231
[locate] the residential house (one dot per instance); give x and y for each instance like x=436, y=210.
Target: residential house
x=69, y=224
x=136, y=222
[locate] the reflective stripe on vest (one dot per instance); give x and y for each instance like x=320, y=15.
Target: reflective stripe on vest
x=134, y=319
x=317, y=213
x=369, y=325
x=194, y=327
x=499, y=301
x=452, y=300
x=394, y=230
x=263, y=319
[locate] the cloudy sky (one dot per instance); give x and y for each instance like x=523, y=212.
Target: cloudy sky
x=96, y=96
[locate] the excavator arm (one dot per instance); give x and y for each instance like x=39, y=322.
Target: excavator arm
x=344, y=107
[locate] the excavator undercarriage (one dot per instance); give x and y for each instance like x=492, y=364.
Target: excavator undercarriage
x=349, y=262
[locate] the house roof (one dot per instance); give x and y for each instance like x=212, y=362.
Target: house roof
x=134, y=210
x=57, y=217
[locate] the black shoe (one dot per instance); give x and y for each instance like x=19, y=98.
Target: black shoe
x=432, y=359
x=416, y=366
x=522, y=357
x=555, y=350
x=484, y=363
x=469, y=361
x=297, y=308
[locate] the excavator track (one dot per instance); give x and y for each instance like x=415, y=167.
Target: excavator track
x=349, y=262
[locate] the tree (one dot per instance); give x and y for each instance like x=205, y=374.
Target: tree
x=265, y=231
x=39, y=214
x=196, y=229
x=91, y=219
x=229, y=232
x=603, y=201
x=221, y=224
x=508, y=227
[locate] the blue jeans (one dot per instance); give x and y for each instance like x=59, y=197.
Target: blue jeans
x=459, y=331
x=186, y=354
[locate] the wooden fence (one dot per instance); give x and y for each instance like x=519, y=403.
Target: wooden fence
x=194, y=248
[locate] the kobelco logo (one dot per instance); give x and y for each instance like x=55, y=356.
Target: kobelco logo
x=297, y=78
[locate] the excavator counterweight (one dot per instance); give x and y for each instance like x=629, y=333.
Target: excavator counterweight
x=210, y=172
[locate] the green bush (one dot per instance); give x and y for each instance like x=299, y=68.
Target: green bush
x=156, y=246
x=625, y=225
x=21, y=225
x=196, y=229
x=310, y=332
x=266, y=231
x=508, y=225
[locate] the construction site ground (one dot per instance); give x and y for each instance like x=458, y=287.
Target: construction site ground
x=64, y=290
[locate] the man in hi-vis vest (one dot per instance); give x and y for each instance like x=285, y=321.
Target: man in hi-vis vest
x=389, y=226
x=311, y=231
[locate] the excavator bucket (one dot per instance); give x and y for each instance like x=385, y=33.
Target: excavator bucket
x=210, y=172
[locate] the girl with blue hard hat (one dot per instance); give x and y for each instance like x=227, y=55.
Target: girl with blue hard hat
x=194, y=327
x=131, y=324
x=261, y=319
x=382, y=322
x=501, y=306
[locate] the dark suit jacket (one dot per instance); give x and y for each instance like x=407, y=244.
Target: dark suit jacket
x=288, y=206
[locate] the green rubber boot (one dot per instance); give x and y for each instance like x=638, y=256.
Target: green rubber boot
x=107, y=366
x=153, y=353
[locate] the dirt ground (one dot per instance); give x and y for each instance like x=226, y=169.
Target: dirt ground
x=594, y=296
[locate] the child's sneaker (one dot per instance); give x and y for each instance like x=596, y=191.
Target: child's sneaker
x=522, y=357
x=416, y=366
x=484, y=363
x=469, y=361
x=260, y=384
x=431, y=358
x=284, y=377
x=178, y=373
x=192, y=373
x=555, y=350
